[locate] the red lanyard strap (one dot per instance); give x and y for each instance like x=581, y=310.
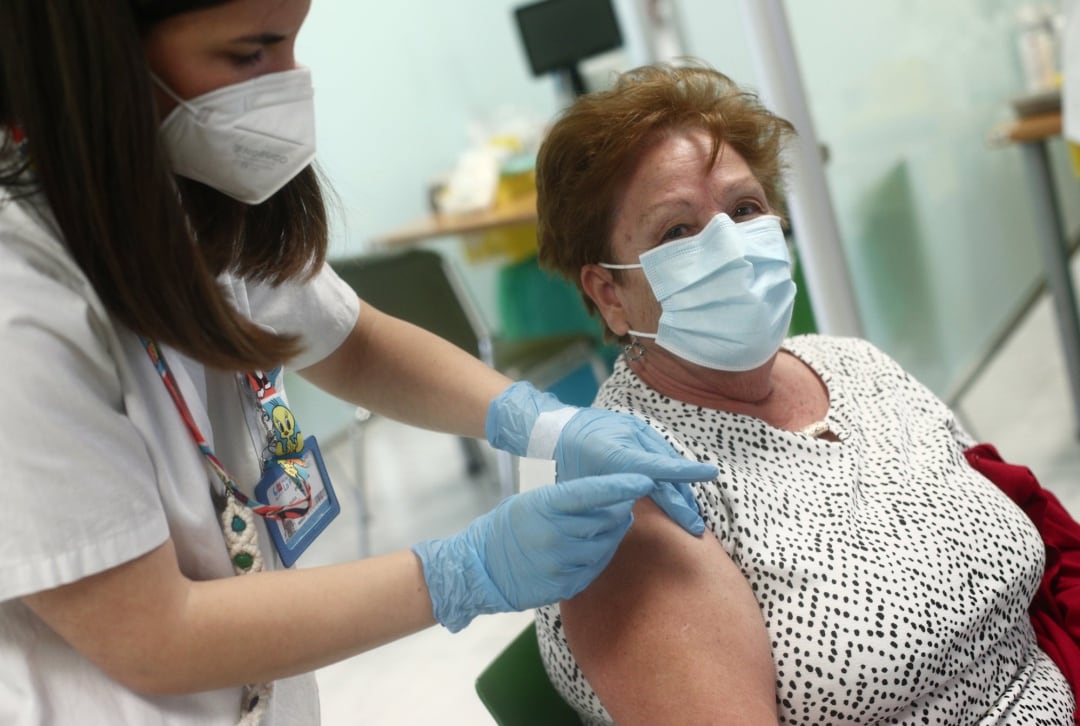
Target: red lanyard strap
x=292, y=510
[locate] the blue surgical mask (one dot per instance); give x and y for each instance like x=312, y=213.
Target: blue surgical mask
x=725, y=294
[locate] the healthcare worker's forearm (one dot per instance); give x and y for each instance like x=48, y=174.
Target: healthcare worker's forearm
x=399, y=370
x=155, y=631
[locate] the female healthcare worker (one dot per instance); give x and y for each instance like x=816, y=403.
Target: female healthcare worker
x=162, y=238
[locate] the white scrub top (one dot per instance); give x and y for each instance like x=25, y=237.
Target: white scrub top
x=99, y=469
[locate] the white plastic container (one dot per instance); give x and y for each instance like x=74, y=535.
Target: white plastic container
x=1037, y=47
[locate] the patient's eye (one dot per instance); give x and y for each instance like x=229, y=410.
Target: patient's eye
x=676, y=232
x=747, y=210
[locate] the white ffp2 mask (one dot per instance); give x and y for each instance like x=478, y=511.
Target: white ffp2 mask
x=726, y=294
x=247, y=140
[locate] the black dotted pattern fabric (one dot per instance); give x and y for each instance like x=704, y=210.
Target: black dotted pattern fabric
x=893, y=579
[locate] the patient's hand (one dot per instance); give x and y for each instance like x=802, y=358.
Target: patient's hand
x=670, y=632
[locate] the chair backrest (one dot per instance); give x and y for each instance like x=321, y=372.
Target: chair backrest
x=570, y=368
x=516, y=690
x=422, y=287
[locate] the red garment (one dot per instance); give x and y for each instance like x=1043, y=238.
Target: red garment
x=1055, y=610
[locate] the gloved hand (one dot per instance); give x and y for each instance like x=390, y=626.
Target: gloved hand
x=590, y=441
x=596, y=441
x=533, y=549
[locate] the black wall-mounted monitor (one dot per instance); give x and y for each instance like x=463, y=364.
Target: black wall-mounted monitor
x=558, y=34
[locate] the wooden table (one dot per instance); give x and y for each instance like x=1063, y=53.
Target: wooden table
x=1033, y=133
x=518, y=211
x=1032, y=128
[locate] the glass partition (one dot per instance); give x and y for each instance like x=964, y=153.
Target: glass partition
x=936, y=225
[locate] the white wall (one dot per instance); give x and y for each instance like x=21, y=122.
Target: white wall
x=397, y=86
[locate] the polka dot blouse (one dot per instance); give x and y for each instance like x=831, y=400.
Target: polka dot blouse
x=893, y=579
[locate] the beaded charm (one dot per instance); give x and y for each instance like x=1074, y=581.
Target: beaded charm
x=241, y=537
x=238, y=526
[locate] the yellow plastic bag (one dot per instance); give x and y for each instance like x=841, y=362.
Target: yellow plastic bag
x=509, y=242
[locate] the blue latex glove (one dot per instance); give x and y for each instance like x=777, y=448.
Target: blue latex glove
x=534, y=549
x=590, y=441
x=596, y=441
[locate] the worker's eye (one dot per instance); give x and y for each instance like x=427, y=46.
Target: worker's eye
x=248, y=59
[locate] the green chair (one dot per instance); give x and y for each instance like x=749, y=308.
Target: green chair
x=516, y=691
x=802, y=317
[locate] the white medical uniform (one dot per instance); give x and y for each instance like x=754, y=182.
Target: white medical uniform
x=99, y=469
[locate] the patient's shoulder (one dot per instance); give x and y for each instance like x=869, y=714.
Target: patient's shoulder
x=669, y=597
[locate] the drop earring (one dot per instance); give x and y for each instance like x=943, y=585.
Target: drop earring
x=634, y=350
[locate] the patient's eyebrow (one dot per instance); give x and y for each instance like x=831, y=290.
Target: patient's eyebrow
x=746, y=184
x=663, y=206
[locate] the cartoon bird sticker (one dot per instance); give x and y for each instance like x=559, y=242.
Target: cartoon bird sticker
x=289, y=439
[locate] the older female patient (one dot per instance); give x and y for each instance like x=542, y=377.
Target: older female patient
x=855, y=568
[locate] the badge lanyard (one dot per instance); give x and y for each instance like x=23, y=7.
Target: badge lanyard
x=291, y=466
x=15, y=133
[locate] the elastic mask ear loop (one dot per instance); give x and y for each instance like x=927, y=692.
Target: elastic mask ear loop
x=172, y=94
x=634, y=345
x=639, y=334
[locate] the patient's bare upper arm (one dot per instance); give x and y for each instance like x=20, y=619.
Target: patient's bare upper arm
x=670, y=632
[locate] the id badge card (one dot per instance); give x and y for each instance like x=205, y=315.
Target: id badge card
x=278, y=488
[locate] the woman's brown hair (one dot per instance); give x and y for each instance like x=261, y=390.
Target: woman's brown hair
x=74, y=81
x=591, y=149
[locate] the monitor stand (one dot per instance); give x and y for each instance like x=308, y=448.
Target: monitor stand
x=570, y=83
